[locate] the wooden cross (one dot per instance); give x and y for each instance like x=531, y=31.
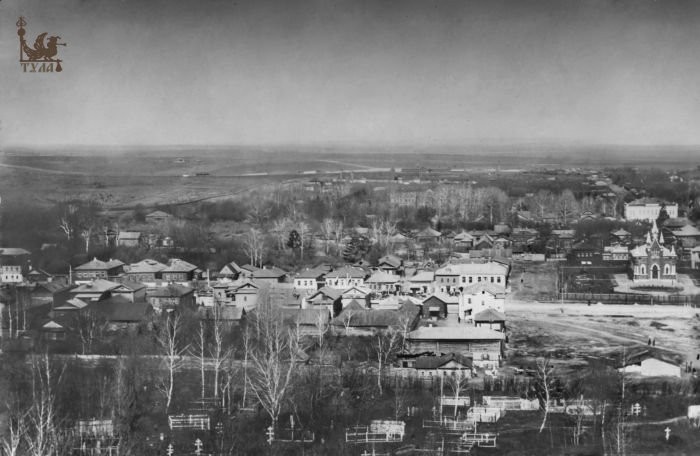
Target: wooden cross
x=668, y=432
x=198, y=446
x=270, y=434
x=171, y=450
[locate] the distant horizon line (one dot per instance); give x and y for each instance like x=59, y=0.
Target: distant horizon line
x=346, y=145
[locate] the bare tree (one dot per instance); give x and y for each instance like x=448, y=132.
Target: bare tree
x=199, y=350
x=168, y=338
x=219, y=353
x=90, y=328
x=254, y=246
x=457, y=384
x=273, y=360
x=545, y=381
x=16, y=431
x=41, y=435
x=322, y=327
x=386, y=345
x=327, y=228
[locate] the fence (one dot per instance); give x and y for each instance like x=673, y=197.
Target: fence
x=632, y=298
x=448, y=424
x=460, y=401
x=484, y=414
x=482, y=439
x=200, y=422
x=510, y=403
x=377, y=431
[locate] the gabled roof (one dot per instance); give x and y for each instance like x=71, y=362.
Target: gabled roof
x=621, y=233
x=306, y=317
x=96, y=286
x=477, y=289
x=360, y=317
x=310, y=274
x=99, y=265
x=435, y=362
x=687, y=230
x=351, y=272
x=442, y=297
x=423, y=276
x=146, y=266
x=489, y=315
x=129, y=285
x=120, y=309
x=171, y=291
x=637, y=357
x=428, y=232
x=269, y=273
x=455, y=333
x=38, y=272
x=383, y=277
x=178, y=265
x=362, y=290
x=332, y=293
x=130, y=235
x=249, y=267
x=158, y=214
x=492, y=267
x=13, y=251
x=390, y=260
x=232, y=266
x=72, y=304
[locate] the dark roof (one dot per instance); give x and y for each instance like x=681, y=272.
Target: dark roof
x=306, y=317
x=382, y=318
x=268, y=273
x=226, y=313
x=636, y=357
x=435, y=362
x=171, y=291
x=391, y=260
x=178, y=265
x=99, y=265
x=348, y=271
x=120, y=309
x=489, y=315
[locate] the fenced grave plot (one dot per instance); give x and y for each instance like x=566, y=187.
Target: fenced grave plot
x=294, y=435
x=203, y=406
x=377, y=431
x=484, y=414
x=481, y=439
x=96, y=447
x=450, y=425
x=511, y=403
x=94, y=428
x=198, y=422
x=452, y=401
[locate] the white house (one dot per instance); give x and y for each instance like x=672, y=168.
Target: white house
x=648, y=209
x=346, y=277
x=11, y=274
x=309, y=280
x=456, y=277
x=479, y=297
x=648, y=364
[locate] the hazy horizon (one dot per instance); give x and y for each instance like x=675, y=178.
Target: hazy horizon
x=355, y=73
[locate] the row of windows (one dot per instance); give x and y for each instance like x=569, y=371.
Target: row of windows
x=471, y=279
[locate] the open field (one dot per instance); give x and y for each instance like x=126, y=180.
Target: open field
x=577, y=331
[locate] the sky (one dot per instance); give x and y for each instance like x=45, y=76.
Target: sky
x=247, y=72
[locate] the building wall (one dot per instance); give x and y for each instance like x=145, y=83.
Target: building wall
x=648, y=211
x=654, y=367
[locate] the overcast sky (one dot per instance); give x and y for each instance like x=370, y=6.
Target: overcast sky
x=168, y=72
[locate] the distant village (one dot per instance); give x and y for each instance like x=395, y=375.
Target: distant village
x=430, y=297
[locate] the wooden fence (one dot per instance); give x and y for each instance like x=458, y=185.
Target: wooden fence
x=201, y=422
x=631, y=298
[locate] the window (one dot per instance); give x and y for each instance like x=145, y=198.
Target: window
x=491, y=279
x=470, y=279
x=464, y=279
x=498, y=279
x=479, y=279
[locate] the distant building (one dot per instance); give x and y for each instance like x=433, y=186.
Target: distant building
x=158, y=217
x=129, y=238
x=648, y=209
x=97, y=269
x=456, y=277
x=653, y=263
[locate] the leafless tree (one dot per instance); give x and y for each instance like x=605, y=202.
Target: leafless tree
x=219, y=353
x=545, y=381
x=567, y=205
x=199, y=351
x=386, y=345
x=577, y=430
x=327, y=228
x=273, y=360
x=168, y=339
x=457, y=383
x=322, y=327
x=254, y=246
x=41, y=429
x=279, y=230
x=303, y=232
x=90, y=328
x=16, y=430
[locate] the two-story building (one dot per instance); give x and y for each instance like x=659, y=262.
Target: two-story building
x=479, y=297
x=170, y=298
x=180, y=272
x=147, y=271
x=346, y=277
x=485, y=346
x=648, y=209
x=454, y=278
x=97, y=269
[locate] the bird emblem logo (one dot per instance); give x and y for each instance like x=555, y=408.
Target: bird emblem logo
x=42, y=56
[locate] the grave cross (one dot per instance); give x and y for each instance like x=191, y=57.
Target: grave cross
x=668, y=432
x=198, y=446
x=270, y=434
x=171, y=450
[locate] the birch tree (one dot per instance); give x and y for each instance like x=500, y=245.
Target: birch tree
x=254, y=246
x=545, y=381
x=386, y=345
x=273, y=359
x=172, y=351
